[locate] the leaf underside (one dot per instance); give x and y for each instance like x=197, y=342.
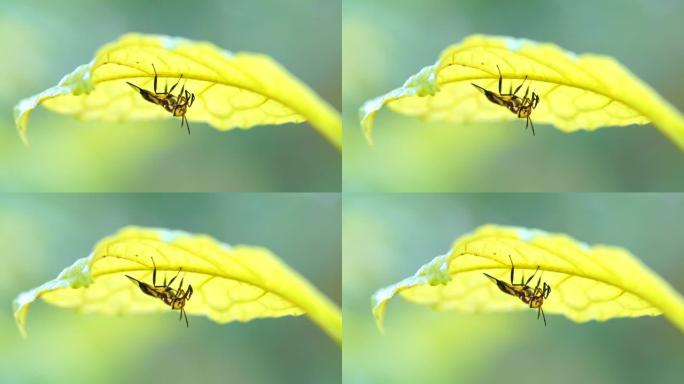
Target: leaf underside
x=239, y=90
x=588, y=283
x=584, y=92
x=239, y=283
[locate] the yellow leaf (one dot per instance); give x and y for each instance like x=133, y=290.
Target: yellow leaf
x=230, y=283
x=232, y=90
x=576, y=92
x=587, y=283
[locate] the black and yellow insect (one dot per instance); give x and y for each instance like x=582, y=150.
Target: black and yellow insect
x=532, y=297
x=177, y=105
x=521, y=107
x=175, y=298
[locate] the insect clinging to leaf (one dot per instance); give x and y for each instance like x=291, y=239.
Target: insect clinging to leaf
x=521, y=107
x=532, y=297
x=175, y=298
x=176, y=104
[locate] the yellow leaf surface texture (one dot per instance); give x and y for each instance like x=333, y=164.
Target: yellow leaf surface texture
x=576, y=91
x=588, y=283
x=230, y=283
x=238, y=90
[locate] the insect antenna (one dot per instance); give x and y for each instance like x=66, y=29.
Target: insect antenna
x=182, y=314
x=531, y=124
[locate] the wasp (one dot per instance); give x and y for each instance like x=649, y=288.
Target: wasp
x=177, y=105
x=532, y=297
x=521, y=107
x=175, y=298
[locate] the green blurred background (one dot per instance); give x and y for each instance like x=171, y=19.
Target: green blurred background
x=42, y=234
x=386, y=41
x=388, y=237
x=42, y=40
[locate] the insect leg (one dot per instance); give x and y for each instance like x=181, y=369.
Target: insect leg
x=174, y=86
x=180, y=288
x=189, y=292
x=500, y=77
x=512, y=266
x=530, y=279
x=154, y=272
x=182, y=88
x=536, y=288
x=519, y=86
x=526, y=90
x=174, y=278
x=155, y=78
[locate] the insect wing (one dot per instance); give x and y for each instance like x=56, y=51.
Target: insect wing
x=147, y=95
x=146, y=288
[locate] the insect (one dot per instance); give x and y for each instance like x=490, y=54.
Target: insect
x=175, y=298
x=532, y=297
x=521, y=107
x=177, y=105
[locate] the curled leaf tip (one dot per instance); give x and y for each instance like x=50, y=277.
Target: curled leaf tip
x=75, y=276
x=78, y=82
x=587, y=282
x=423, y=83
x=436, y=272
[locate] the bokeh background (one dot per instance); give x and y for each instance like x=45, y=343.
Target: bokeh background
x=42, y=40
x=386, y=41
x=388, y=237
x=42, y=234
